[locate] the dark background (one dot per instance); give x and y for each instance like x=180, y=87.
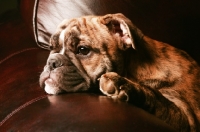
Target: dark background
x=6, y=5
x=9, y=9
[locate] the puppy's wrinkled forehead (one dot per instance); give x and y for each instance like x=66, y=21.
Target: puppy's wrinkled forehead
x=76, y=31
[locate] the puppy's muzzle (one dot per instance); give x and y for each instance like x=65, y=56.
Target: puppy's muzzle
x=61, y=74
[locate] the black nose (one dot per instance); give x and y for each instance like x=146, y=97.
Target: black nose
x=54, y=63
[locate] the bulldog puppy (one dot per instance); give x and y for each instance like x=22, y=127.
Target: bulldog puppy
x=112, y=53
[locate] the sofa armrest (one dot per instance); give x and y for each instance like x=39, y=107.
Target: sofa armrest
x=81, y=112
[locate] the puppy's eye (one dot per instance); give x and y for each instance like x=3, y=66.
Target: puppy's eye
x=83, y=50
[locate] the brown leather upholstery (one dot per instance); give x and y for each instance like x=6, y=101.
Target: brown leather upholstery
x=81, y=112
x=24, y=106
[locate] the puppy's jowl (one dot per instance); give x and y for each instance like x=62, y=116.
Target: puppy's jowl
x=113, y=54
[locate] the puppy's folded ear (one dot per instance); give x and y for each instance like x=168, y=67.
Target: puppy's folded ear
x=121, y=26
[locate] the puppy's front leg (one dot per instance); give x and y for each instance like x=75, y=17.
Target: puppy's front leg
x=149, y=99
x=117, y=87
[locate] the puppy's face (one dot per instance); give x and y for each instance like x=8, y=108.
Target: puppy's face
x=83, y=49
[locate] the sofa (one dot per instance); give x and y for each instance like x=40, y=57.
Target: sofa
x=24, y=39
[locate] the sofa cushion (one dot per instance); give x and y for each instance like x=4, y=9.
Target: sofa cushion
x=49, y=14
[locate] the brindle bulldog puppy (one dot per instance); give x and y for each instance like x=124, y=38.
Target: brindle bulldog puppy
x=112, y=53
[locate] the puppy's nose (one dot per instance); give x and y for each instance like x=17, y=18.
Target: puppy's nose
x=54, y=63
x=57, y=60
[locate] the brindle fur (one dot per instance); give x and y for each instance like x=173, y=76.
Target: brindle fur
x=152, y=75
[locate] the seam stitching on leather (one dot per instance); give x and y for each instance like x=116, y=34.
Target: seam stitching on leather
x=20, y=108
x=16, y=53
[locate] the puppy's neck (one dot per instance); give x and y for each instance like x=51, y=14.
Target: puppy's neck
x=143, y=55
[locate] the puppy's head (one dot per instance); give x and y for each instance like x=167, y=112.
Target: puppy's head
x=83, y=49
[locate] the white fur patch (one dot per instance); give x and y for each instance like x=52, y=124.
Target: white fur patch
x=62, y=39
x=51, y=89
x=62, y=36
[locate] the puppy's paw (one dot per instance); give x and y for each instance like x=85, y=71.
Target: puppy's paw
x=115, y=86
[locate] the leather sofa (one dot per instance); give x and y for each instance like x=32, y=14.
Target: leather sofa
x=24, y=106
